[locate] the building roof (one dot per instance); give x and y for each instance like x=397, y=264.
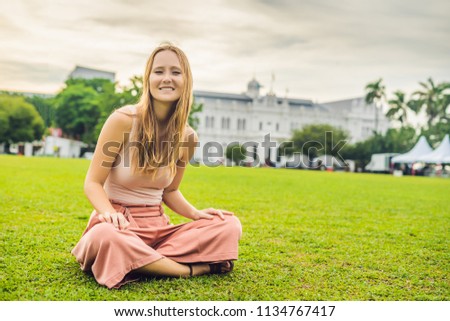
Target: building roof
x=298, y=102
x=345, y=103
x=90, y=73
x=216, y=95
x=243, y=97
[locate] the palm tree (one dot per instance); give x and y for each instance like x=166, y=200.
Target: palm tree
x=375, y=93
x=398, y=108
x=434, y=99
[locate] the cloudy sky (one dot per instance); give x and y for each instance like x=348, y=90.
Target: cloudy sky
x=317, y=49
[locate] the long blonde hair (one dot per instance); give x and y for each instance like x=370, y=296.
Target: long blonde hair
x=153, y=149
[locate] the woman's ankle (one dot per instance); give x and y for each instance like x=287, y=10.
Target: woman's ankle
x=199, y=269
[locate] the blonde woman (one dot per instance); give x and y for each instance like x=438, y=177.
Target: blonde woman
x=138, y=164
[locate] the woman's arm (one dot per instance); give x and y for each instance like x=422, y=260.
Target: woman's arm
x=108, y=146
x=173, y=197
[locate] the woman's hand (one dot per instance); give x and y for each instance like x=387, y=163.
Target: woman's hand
x=209, y=213
x=116, y=218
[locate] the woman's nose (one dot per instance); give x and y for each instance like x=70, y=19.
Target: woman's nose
x=166, y=77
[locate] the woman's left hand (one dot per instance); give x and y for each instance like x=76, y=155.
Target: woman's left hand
x=209, y=213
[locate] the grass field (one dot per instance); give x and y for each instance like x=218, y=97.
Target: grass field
x=307, y=235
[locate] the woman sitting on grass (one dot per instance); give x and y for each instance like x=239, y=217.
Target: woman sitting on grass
x=139, y=162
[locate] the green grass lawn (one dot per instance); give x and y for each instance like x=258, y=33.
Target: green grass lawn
x=307, y=235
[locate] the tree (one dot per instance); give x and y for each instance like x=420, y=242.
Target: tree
x=19, y=121
x=433, y=99
x=108, y=97
x=398, y=108
x=100, y=85
x=131, y=94
x=399, y=140
x=436, y=133
x=314, y=140
x=77, y=111
x=113, y=97
x=361, y=152
x=4, y=123
x=45, y=107
x=193, y=120
x=375, y=93
x=236, y=153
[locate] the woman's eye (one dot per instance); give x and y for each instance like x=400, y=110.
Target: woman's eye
x=177, y=73
x=158, y=72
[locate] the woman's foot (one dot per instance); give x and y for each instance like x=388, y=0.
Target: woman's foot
x=221, y=267
x=212, y=268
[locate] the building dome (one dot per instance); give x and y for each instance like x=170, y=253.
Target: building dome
x=254, y=84
x=253, y=87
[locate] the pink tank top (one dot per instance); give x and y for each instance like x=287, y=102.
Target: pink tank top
x=135, y=189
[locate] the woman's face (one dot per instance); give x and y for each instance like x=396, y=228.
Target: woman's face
x=166, y=78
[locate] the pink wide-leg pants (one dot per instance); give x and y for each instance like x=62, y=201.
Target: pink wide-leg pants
x=111, y=254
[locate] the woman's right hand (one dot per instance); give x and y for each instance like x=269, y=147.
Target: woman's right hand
x=115, y=218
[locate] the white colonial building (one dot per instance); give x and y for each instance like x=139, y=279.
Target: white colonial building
x=249, y=117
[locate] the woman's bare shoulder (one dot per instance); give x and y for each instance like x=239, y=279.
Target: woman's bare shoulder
x=121, y=119
x=129, y=110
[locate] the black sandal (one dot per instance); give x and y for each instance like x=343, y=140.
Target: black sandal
x=216, y=268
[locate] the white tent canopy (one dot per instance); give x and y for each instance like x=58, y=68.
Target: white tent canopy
x=420, y=149
x=440, y=155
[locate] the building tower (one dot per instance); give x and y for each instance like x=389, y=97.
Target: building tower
x=253, y=87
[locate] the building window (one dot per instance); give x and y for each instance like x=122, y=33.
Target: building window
x=209, y=122
x=241, y=124
x=260, y=125
x=225, y=123
x=278, y=127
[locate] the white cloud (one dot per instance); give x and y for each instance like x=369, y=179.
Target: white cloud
x=319, y=49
